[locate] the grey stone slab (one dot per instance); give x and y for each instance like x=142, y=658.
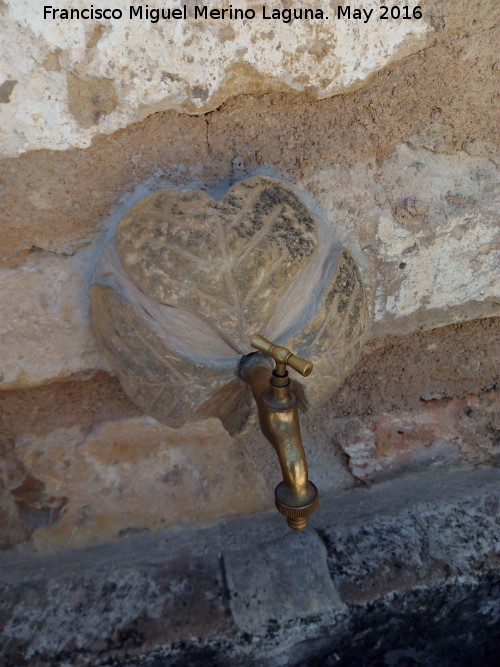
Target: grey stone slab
x=463, y=536
x=271, y=583
x=450, y=528
x=107, y=608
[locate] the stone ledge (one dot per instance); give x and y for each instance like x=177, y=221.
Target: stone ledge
x=427, y=542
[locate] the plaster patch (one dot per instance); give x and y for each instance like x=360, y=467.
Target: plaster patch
x=89, y=99
x=6, y=91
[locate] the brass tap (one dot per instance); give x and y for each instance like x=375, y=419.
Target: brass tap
x=296, y=497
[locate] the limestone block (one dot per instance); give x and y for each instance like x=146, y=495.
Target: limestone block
x=426, y=226
x=96, y=76
x=188, y=280
x=136, y=474
x=44, y=327
x=438, y=237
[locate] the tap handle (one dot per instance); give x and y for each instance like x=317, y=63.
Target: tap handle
x=282, y=355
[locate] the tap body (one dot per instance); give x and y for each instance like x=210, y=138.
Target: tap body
x=296, y=497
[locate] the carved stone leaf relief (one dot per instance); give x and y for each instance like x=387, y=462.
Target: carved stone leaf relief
x=229, y=261
x=188, y=279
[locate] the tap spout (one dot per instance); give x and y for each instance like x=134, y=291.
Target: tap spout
x=296, y=497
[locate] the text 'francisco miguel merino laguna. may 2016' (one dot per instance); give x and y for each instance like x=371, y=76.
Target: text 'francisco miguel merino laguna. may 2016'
x=206, y=13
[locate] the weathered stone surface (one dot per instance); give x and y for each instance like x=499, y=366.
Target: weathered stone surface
x=425, y=543
x=435, y=110
x=163, y=383
x=58, y=201
x=441, y=99
x=414, y=402
x=442, y=433
x=90, y=98
x=82, y=401
x=401, y=168
x=426, y=230
x=422, y=274
x=144, y=606
x=334, y=336
x=98, y=76
x=44, y=327
x=438, y=237
x=136, y=474
x=398, y=373
x=12, y=528
x=266, y=598
x=413, y=587
x=444, y=367
x=231, y=261
x=193, y=278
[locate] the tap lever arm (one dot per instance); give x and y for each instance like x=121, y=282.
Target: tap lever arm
x=282, y=355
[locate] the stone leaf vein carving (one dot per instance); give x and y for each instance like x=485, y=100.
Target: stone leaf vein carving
x=187, y=279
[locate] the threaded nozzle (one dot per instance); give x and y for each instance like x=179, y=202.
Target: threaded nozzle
x=298, y=523
x=297, y=512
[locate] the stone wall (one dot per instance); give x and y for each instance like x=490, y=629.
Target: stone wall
x=126, y=542
x=388, y=130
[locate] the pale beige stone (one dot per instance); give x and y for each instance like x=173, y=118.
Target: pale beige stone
x=44, y=326
x=136, y=474
x=424, y=233
x=438, y=237
x=165, y=65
